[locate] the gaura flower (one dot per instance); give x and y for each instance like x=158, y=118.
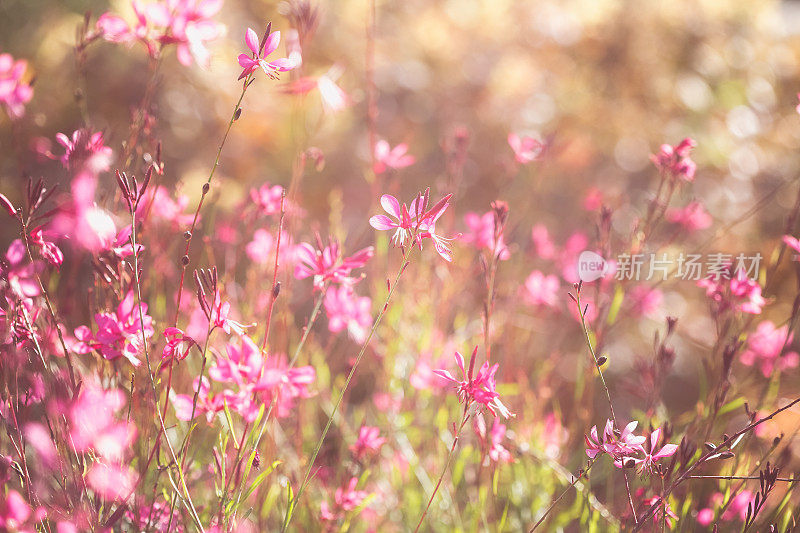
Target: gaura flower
x=259, y=54
x=477, y=388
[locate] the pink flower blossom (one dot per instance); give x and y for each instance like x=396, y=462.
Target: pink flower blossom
x=619, y=445
x=220, y=317
x=651, y=456
x=207, y=403
x=478, y=388
x=14, y=93
x=387, y=157
x=333, y=98
x=540, y=289
x=258, y=59
x=664, y=511
x=408, y=223
x=85, y=150
x=675, y=160
x=693, y=217
x=184, y=23
x=369, y=442
x=736, y=510
x=18, y=272
x=346, y=499
x=49, y=250
x=119, y=333
x=159, y=204
x=327, y=263
x=177, y=346
x=482, y=234
x=14, y=512
x=593, y=200
x=261, y=249
x=765, y=347
x=739, y=293
x=347, y=310
x=526, y=149
x=111, y=481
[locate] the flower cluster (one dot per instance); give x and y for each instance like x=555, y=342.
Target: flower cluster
x=188, y=24
x=626, y=448
x=675, y=161
x=119, y=333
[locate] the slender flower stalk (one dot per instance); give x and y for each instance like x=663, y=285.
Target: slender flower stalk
x=464, y=419
x=582, y=314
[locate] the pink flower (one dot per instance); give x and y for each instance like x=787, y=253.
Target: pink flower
x=478, y=388
x=333, y=98
x=159, y=203
x=346, y=499
x=792, y=243
x=693, y=217
x=645, y=301
x=347, y=310
x=206, y=402
x=14, y=93
x=111, y=481
x=408, y=222
x=250, y=64
x=497, y=452
x=177, y=346
x=184, y=23
x=119, y=334
x=736, y=510
x=93, y=423
x=739, y=293
x=20, y=274
x=327, y=263
x=526, y=149
x=675, y=160
x=49, y=250
x=14, y=512
x=593, y=199
x=541, y=290
x=220, y=317
x=765, y=346
x=85, y=150
x=267, y=198
x=369, y=442
x=619, y=447
x=387, y=157
x=541, y=241
x=651, y=457
x=664, y=508
x=482, y=234
x=261, y=249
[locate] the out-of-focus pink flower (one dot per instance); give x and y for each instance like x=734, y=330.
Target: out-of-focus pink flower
x=119, y=334
x=267, y=198
x=554, y=435
x=327, y=263
x=345, y=499
x=739, y=293
x=675, y=160
x=792, y=243
x=664, y=511
x=93, y=423
x=261, y=249
x=541, y=241
x=387, y=157
x=408, y=220
x=736, y=510
x=187, y=24
x=111, y=481
x=526, y=149
x=94, y=229
x=369, y=442
x=478, y=388
x=593, y=200
x=85, y=150
x=645, y=301
x=156, y=516
x=333, y=98
x=481, y=234
x=14, y=512
x=540, y=289
x=37, y=436
x=765, y=348
x=347, y=310
x=49, y=250
x=159, y=204
x=652, y=456
x=258, y=59
x=207, y=403
x=21, y=274
x=693, y=217
x=14, y=93
x=497, y=452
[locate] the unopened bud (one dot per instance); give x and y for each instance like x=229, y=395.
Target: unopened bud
x=206, y=188
x=185, y=260
x=276, y=290
x=602, y=360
